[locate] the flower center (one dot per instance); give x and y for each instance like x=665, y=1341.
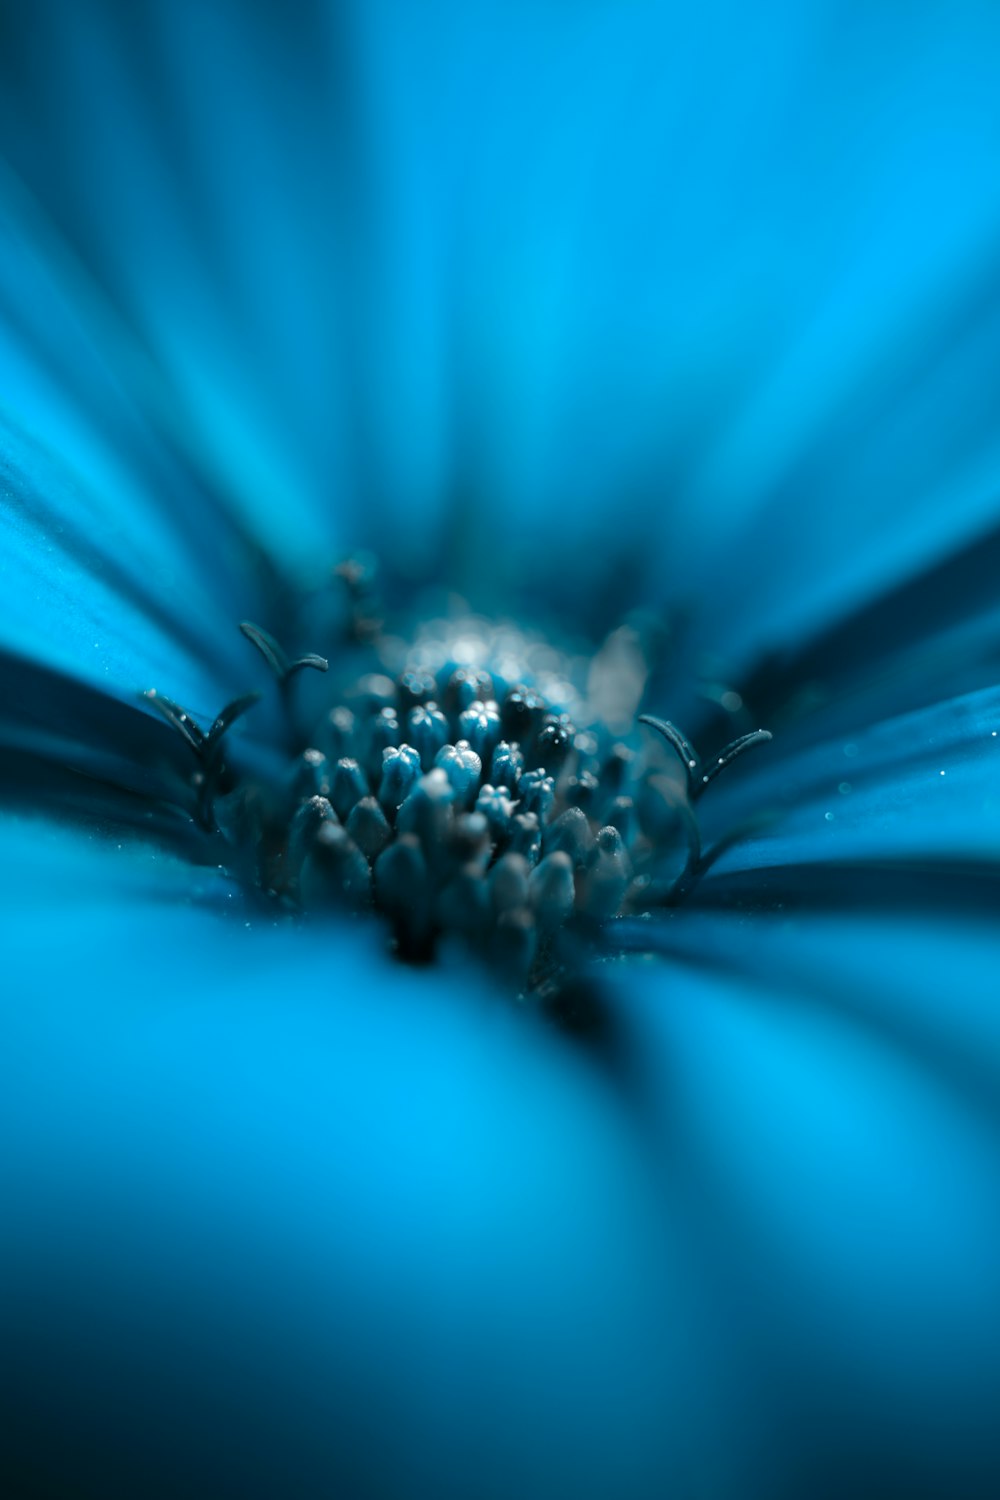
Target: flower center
x=474, y=785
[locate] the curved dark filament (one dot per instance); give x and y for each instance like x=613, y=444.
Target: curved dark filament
x=178, y=718
x=226, y=719
x=204, y=744
x=275, y=657
x=681, y=746
x=728, y=755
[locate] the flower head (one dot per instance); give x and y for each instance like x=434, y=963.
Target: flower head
x=654, y=350
x=468, y=787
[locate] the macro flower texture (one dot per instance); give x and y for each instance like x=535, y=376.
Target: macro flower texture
x=499, y=749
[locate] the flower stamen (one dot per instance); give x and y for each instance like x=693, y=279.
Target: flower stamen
x=729, y=754
x=453, y=789
x=276, y=658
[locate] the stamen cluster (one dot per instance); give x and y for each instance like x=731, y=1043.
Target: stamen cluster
x=480, y=803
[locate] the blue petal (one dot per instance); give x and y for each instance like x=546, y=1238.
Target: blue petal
x=122, y=563
x=832, y=1113
x=935, y=637
x=920, y=786
x=574, y=273
x=273, y=1197
x=899, y=465
x=80, y=597
x=211, y=255
x=671, y=320
x=261, y=1183
x=266, y=1193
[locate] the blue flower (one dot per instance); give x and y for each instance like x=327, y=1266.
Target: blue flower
x=581, y=311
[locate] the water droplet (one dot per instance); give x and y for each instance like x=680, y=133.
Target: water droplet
x=829, y=817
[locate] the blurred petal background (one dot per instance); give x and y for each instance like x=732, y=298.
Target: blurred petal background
x=574, y=309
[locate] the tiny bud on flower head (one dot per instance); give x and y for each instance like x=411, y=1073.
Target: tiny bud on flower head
x=369, y=828
x=349, y=785
x=400, y=771
x=506, y=765
x=463, y=768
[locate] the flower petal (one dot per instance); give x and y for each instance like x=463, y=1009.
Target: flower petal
x=898, y=469
x=203, y=245
x=671, y=318
x=934, y=637
x=832, y=1110
x=77, y=600
x=918, y=787
x=553, y=270
x=262, y=1184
